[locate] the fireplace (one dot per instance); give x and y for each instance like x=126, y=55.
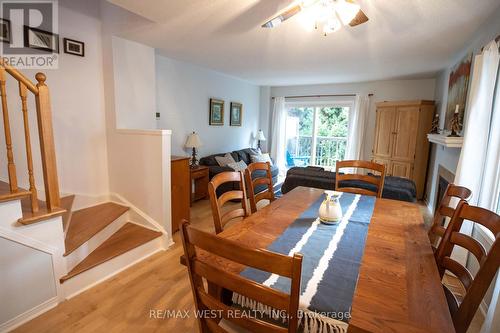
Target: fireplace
x=444, y=178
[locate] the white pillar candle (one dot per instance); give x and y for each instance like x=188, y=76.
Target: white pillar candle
x=456, y=109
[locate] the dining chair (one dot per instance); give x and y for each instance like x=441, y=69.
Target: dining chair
x=266, y=179
x=488, y=261
x=220, y=217
x=275, y=263
x=348, y=182
x=444, y=210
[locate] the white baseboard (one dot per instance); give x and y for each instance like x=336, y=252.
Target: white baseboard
x=28, y=315
x=141, y=218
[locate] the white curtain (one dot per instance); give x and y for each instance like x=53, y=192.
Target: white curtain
x=357, y=125
x=489, y=199
x=278, y=135
x=471, y=165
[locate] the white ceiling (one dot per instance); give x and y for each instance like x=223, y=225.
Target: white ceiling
x=404, y=38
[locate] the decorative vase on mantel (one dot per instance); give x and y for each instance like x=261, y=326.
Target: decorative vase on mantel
x=435, y=125
x=455, y=125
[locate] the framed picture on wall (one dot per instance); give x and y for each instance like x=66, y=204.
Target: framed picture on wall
x=216, y=114
x=5, y=31
x=41, y=40
x=236, y=114
x=74, y=47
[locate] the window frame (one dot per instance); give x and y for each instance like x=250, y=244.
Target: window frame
x=316, y=105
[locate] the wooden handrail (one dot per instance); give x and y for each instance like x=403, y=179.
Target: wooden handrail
x=19, y=76
x=45, y=132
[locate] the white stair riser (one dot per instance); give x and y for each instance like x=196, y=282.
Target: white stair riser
x=11, y=212
x=93, y=243
x=108, y=269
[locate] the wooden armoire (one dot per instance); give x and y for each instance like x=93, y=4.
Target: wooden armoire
x=401, y=139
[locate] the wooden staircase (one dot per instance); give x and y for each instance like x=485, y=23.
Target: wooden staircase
x=127, y=238
x=98, y=240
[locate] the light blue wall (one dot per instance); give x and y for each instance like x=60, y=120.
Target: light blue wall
x=183, y=94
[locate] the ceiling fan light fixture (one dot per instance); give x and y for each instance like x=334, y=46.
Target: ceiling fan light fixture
x=347, y=10
x=331, y=26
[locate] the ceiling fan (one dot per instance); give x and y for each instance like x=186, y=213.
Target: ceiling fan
x=333, y=14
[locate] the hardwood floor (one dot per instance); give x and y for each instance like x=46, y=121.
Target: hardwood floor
x=126, y=302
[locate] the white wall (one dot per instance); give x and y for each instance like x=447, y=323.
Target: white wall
x=135, y=84
x=141, y=171
x=77, y=96
x=183, y=94
x=382, y=90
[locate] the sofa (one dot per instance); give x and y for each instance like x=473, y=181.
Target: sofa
x=395, y=188
x=238, y=155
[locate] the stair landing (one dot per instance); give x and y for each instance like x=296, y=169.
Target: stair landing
x=5, y=194
x=28, y=216
x=87, y=222
x=125, y=239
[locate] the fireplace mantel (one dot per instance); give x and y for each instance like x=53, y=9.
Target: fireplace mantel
x=446, y=141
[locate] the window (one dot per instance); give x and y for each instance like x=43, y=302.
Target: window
x=316, y=135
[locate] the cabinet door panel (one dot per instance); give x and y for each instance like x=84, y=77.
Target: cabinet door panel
x=181, y=192
x=386, y=163
x=382, y=146
x=406, y=128
x=402, y=169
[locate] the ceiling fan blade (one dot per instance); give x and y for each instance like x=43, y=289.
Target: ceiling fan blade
x=285, y=15
x=359, y=19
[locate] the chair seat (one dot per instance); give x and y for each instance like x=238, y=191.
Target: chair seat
x=451, y=299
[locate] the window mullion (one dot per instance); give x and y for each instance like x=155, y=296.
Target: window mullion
x=314, y=135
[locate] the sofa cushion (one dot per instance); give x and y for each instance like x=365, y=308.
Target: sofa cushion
x=244, y=154
x=261, y=158
x=238, y=166
x=396, y=188
x=225, y=160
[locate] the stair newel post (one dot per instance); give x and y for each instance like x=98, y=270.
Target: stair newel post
x=11, y=167
x=47, y=148
x=23, y=92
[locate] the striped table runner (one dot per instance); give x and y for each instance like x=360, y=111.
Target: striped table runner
x=332, y=256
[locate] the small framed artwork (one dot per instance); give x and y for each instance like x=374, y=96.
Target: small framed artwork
x=236, y=114
x=5, y=35
x=74, y=47
x=216, y=112
x=41, y=40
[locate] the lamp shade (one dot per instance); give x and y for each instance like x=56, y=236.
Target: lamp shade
x=193, y=141
x=260, y=136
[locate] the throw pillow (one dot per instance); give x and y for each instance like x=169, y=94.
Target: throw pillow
x=225, y=160
x=238, y=166
x=261, y=158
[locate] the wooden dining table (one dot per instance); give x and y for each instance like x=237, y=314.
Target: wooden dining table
x=398, y=288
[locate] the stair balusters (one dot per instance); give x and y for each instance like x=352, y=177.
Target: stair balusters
x=23, y=91
x=11, y=167
x=45, y=131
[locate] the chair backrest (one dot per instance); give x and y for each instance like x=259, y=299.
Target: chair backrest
x=444, y=210
x=256, y=181
x=488, y=261
x=264, y=260
x=378, y=181
x=220, y=217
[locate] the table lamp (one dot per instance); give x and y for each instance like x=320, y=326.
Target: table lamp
x=193, y=141
x=260, y=137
